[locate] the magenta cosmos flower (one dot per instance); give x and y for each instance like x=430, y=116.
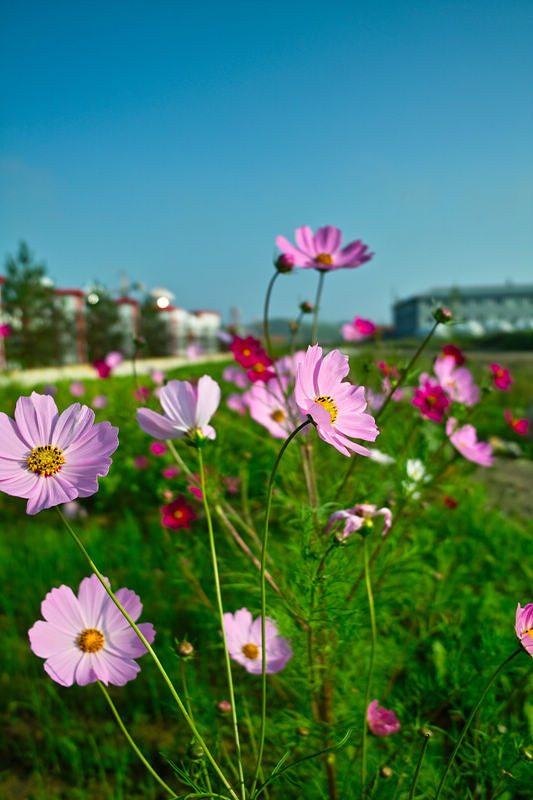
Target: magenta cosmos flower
x=431, y=399
x=177, y=514
x=501, y=377
x=86, y=638
x=335, y=406
x=243, y=637
x=381, y=721
x=187, y=408
x=358, y=517
x=524, y=626
x=322, y=250
x=465, y=441
x=457, y=382
x=358, y=329
x=518, y=425
x=51, y=458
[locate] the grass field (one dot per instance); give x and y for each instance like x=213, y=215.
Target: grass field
x=446, y=584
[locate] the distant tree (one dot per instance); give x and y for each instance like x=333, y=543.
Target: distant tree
x=42, y=331
x=153, y=328
x=104, y=329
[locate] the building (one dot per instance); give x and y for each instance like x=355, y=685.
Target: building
x=477, y=310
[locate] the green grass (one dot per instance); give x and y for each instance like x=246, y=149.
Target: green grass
x=446, y=587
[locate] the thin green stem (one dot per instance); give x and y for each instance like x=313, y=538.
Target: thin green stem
x=427, y=737
x=321, y=275
x=403, y=375
x=471, y=717
x=221, y=618
x=134, y=747
x=183, y=672
x=294, y=333
x=284, y=446
x=266, y=328
x=152, y=653
x=371, y=662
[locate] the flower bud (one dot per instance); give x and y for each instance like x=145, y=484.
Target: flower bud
x=195, y=752
x=442, y=315
x=284, y=263
x=224, y=707
x=303, y=731
x=185, y=649
x=526, y=753
x=386, y=771
x=427, y=732
x=306, y=307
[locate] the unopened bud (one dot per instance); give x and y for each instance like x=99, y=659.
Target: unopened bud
x=195, y=752
x=306, y=307
x=224, y=706
x=284, y=263
x=386, y=771
x=427, y=732
x=303, y=731
x=185, y=649
x=442, y=315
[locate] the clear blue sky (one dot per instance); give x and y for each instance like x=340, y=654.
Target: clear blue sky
x=175, y=140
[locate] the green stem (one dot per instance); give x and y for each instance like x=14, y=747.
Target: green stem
x=388, y=398
x=321, y=275
x=294, y=333
x=125, y=731
x=221, y=618
x=284, y=446
x=427, y=737
x=183, y=668
x=371, y=663
x=152, y=652
x=471, y=717
x=265, y=315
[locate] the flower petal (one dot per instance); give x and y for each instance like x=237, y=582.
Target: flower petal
x=157, y=425
x=207, y=400
x=46, y=640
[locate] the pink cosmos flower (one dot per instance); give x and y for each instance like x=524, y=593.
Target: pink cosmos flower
x=86, y=638
x=77, y=389
x=269, y=407
x=158, y=448
x=158, y=376
x=51, y=458
x=323, y=250
x=260, y=369
x=431, y=399
x=140, y=462
x=141, y=394
x=457, y=382
x=465, y=441
x=243, y=637
x=232, y=483
x=375, y=399
x=50, y=389
x=194, y=351
x=187, y=408
x=335, y=406
x=5, y=331
x=114, y=358
x=381, y=721
x=170, y=472
x=501, y=377
x=100, y=401
x=235, y=375
x=196, y=491
x=358, y=329
x=520, y=426
x=524, y=626
x=237, y=403
x=177, y=514
x=358, y=517
x=245, y=351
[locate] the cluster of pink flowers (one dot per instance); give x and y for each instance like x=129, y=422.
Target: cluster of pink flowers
x=250, y=354
x=105, y=366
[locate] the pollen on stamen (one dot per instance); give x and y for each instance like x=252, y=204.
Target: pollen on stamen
x=324, y=258
x=329, y=404
x=90, y=640
x=251, y=651
x=278, y=415
x=46, y=460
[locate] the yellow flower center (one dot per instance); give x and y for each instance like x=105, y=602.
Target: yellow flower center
x=247, y=352
x=178, y=514
x=46, y=460
x=251, y=651
x=278, y=415
x=328, y=403
x=529, y=631
x=324, y=258
x=90, y=640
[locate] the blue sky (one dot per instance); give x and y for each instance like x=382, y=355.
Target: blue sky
x=174, y=141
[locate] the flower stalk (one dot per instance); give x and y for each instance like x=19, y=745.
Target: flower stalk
x=371, y=661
